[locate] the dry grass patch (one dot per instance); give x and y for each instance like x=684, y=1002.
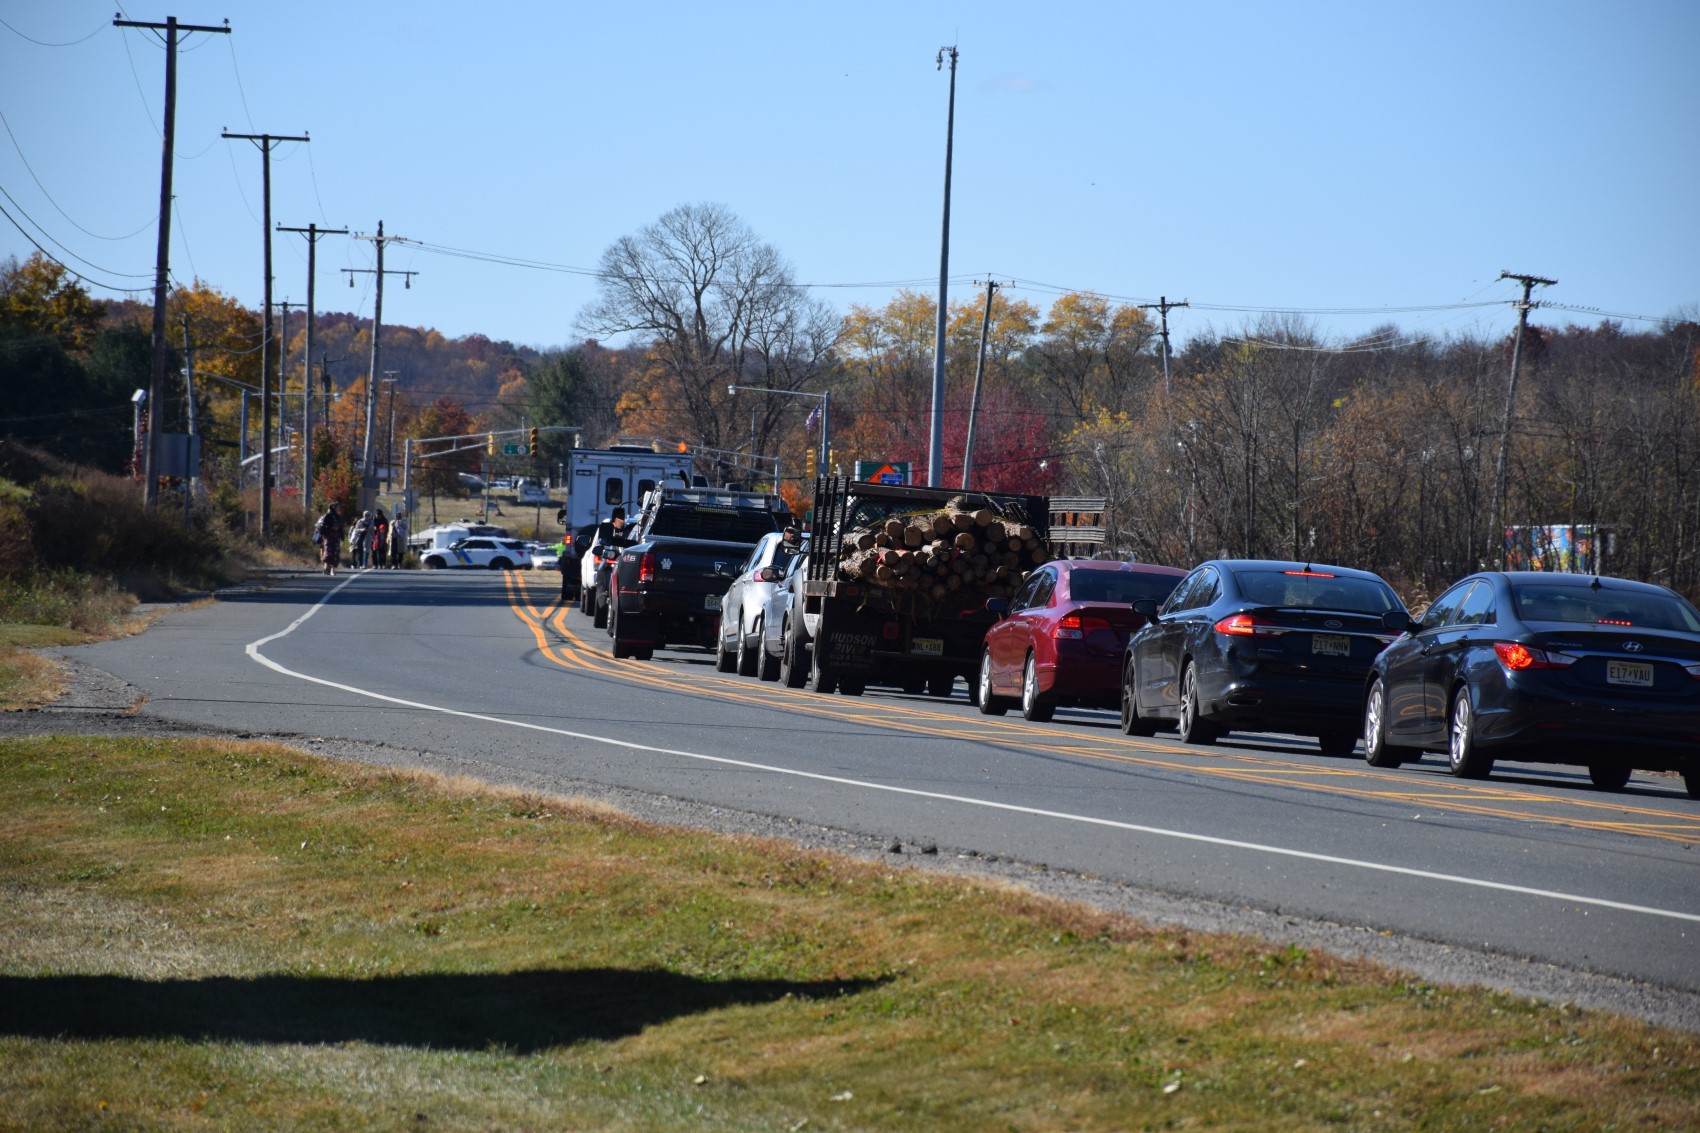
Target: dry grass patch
x=212, y=934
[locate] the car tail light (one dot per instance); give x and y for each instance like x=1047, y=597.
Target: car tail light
x=1074, y=626
x=1244, y=625
x=1517, y=658
x=1693, y=670
x=646, y=568
x=1615, y=622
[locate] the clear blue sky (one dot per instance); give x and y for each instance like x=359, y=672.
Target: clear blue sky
x=1301, y=156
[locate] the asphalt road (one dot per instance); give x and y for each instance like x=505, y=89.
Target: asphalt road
x=1532, y=865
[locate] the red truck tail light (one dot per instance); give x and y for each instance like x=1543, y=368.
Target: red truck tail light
x=646, y=568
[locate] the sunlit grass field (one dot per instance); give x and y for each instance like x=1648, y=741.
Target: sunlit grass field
x=235, y=936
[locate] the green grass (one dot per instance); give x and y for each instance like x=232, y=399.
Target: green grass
x=216, y=935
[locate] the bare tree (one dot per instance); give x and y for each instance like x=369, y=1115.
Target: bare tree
x=716, y=307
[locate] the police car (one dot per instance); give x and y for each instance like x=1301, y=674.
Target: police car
x=479, y=552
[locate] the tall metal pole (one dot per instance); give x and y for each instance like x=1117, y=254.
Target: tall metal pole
x=312, y=232
x=935, y=435
x=1498, y=530
x=162, y=253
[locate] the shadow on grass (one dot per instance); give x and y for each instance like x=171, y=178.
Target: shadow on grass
x=523, y=1012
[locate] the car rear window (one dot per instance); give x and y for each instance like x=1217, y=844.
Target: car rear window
x=1586, y=605
x=1119, y=586
x=1316, y=590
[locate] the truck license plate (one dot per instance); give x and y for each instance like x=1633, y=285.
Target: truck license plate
x=711, y=601
x=1629, y=673
x=927, y=646
x=1331, y=644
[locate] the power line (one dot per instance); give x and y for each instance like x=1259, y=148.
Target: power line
x=44, y=43
x=25, y=159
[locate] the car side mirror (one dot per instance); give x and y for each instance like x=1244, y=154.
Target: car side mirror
x=998, y=606
x=1145, y=608
x=770, y=574
x=1399, y=621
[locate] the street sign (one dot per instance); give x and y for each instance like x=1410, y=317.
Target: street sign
x=883, y=471
x=515, y=450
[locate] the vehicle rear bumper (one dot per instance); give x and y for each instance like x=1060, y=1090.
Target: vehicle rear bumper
x=1542, y=728
x=1299, y=704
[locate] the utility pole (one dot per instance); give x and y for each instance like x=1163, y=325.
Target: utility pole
x=1162, y=306
x=189, y=400
x=369, y=481
x=265, y=142
x=162, y=256
x=312, y=232
x=979, y=373
x=389, y=435
x=1524, y=306
x=283, y=377
x=935, y=434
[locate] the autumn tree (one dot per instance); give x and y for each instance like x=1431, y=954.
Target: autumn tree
x=439, y=470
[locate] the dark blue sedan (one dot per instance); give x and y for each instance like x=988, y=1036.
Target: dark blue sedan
x=1260, y=644
x=1546, y=668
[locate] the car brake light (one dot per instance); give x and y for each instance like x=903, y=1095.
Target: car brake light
x=646, y=568
x=1615, y=622
x=1517, y=658
x=1307, y=573
x=1244, y=625
x=1074, y=626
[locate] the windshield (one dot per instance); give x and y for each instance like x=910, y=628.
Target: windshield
x=1119, y=586
x=1588, y=605
x=1316, y=590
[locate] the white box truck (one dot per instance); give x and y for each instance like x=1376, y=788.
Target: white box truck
x=600, y=480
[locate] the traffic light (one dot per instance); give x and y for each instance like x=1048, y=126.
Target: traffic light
x=532, y=440
x=810, y=459
x=490, y=443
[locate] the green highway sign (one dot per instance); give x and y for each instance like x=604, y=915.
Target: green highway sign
x=515, y=450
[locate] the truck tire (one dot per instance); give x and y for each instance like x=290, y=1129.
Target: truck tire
x=599, y=612
x=820, y=678
x=941, y=684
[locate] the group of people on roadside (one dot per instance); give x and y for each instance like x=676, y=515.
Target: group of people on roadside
x=372, y=541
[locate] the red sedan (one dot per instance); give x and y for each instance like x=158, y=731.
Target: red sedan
x=1062, y=638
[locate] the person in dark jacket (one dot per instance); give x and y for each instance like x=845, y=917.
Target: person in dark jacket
x=327, y=533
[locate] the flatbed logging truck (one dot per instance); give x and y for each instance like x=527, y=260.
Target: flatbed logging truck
x=895, y=587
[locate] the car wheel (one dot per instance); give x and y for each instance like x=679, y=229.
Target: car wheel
x=1377, y=751
x=1464, y=759
x=725, y=660
x=1337, y=741
x=621, y=649
x=746, y=659
x=599, y=615
x=767, y=665
x=432, y=562
x=941, y=685
x=1035, y=706
x=1691, y=780
x=501, y=564
x=990, y=705
x=1193, y=728
x=793, y=659
x=1609, y=776
x=1133, y=724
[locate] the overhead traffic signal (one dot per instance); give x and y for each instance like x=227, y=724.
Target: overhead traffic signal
x=490, y=443
x=532, y=440
x=810, y=459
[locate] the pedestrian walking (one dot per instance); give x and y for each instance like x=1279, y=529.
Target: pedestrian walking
x=327, y=534
x=359, y=541
x=398, y=542
x=380, y=540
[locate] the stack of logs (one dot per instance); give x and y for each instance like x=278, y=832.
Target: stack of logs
x=935, y=553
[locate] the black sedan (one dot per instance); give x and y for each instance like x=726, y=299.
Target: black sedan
x=1262, y=645
x=1546, y=668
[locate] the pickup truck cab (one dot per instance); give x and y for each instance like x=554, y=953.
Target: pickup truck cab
x=689, y=545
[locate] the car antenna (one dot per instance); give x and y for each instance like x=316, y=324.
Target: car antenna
x=1596, y=583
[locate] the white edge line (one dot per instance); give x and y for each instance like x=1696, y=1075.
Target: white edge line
x=253, y=650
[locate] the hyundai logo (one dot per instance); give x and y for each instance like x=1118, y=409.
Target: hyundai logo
x=1632, y=647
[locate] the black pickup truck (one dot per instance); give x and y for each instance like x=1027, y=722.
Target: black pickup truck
x=689, y=545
